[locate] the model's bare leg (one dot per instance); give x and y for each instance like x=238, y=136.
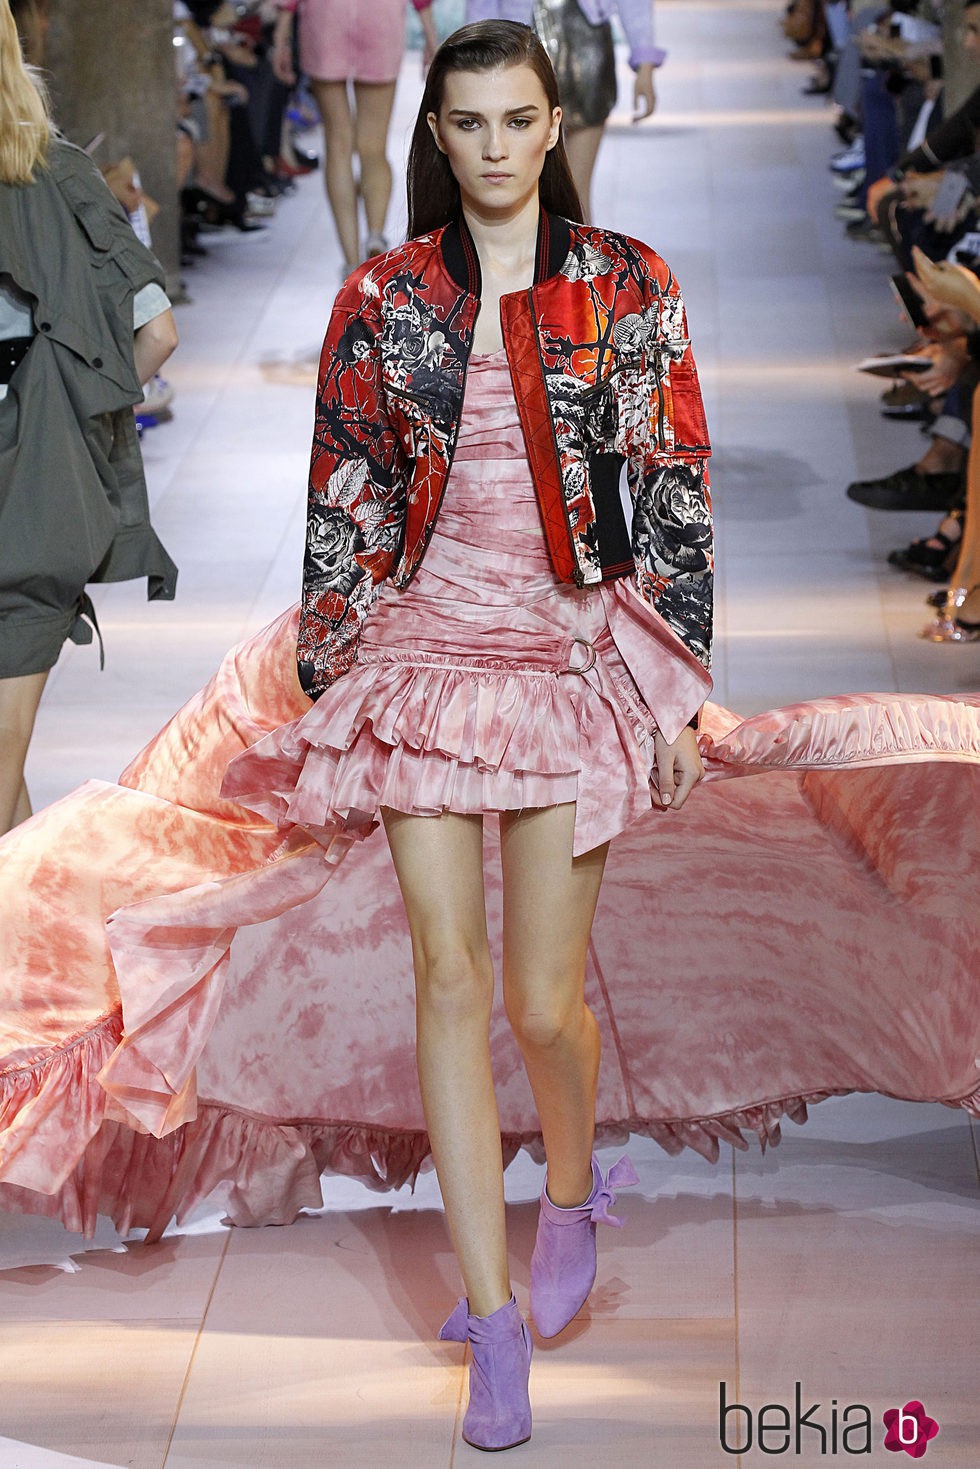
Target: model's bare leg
x=19, y=698
x=549, y=904
x=582, y=147
x=374, y=101
x=338, y=163
x=439, y=862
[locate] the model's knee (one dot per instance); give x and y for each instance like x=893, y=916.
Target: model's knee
x=453, y=981
x=373, y=160
x=542, y=1022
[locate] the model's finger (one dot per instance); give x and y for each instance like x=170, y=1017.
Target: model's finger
x=686, y=782
x=665, y=780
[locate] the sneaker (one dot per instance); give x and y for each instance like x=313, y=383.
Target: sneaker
x=260, y=206
x=849, y=158
x=849, y=211
x=907, y=489
x=375, y=244
x=158, y=394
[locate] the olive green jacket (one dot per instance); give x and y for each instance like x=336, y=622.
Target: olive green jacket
x=73, y=503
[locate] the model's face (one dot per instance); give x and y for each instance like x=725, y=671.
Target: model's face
x=495, y=128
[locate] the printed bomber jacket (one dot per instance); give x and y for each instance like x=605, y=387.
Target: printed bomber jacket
x=605, y=385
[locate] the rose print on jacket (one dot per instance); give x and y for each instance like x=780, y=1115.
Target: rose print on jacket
x=601, y=367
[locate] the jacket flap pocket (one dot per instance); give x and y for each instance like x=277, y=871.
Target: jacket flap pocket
x=690, y=425
x=88, y=214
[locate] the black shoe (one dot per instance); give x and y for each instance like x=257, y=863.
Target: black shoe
x=905, y=401
x=907, y=489
x=847, y=128
x=864, y=229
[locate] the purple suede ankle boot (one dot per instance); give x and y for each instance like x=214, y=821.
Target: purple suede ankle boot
x=499, y=1413
x=563, y=1264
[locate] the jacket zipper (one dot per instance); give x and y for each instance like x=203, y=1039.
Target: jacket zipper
x=661, y=437
x=578, y=574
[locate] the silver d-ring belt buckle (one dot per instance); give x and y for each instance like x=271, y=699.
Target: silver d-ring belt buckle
x=585, y=667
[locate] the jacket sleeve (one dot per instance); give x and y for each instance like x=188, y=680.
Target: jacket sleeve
x=672, y=530
x=355, y=511
x=637, y=21
x=953, y=139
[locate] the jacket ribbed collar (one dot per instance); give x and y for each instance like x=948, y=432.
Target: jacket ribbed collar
x=460, y=258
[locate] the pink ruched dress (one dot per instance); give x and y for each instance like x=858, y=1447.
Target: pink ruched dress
x=486, y=685
x=198, y=1002
x=350, y=40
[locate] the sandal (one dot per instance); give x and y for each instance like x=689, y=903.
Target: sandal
x=948, y=627
x=933, y=557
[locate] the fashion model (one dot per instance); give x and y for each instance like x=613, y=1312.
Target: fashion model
x=75, y=285
x=505, y=613
x=577, y=35
x=481, y=389
x=347, y=44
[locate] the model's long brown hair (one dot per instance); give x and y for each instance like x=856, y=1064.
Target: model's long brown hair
x=433, y=193
x=25, y=122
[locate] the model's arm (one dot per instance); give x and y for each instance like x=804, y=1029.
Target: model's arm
x=282, y=43
x=645, y=55
x=429, y=33
x=355, y=510
x=672, y=533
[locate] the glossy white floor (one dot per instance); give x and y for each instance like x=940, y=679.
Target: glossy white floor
x=845, y=1260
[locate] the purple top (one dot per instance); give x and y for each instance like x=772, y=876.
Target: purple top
x=292, y=4
x=636, y=17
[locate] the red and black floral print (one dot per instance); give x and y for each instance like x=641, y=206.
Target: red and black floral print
x=604, y=382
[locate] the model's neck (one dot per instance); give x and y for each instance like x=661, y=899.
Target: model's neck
x=505, y=245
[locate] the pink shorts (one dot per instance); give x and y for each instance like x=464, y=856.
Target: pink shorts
x=350, y=40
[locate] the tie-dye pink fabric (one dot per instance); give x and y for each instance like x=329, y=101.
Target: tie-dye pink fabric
x=811, y=931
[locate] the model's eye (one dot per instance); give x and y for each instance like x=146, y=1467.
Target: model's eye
x=520, y=122
x=467, y=124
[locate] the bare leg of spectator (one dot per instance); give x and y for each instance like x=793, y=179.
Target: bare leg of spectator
x=374, y=101
x=19, y=698
x=212, y=152
x=338, y=163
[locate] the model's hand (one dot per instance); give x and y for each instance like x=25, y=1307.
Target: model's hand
x=644, y=92
x=679, y=768
x=282, y=63
x=282, y=49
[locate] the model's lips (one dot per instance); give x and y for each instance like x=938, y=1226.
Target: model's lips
x=496, y=178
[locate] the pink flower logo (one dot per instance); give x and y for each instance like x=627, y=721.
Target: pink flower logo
x=909, y=1428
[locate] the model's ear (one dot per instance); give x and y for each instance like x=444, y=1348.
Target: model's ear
x=555, y=127
x=433, y=122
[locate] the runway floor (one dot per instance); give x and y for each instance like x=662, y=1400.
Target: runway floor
x=846, y=1260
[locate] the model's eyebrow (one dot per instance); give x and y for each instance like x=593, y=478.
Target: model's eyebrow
x=511, y=111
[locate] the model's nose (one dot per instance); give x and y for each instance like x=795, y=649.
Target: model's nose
x=495, y=146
